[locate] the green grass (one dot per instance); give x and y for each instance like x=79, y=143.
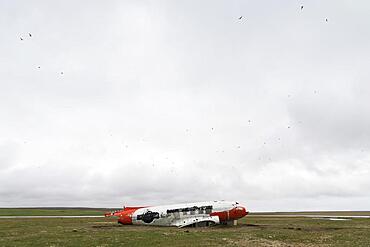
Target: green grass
x=251, y=231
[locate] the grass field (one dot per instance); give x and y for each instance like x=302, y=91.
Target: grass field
x=251, y=231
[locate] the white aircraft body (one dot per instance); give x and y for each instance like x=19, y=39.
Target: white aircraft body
x=180, y=215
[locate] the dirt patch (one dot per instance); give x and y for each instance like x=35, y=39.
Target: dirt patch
x=296, y=228
x=249, y=242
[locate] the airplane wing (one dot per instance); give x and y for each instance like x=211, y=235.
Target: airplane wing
x=195, y=219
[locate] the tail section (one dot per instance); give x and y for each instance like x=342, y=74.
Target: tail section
x=124, y=215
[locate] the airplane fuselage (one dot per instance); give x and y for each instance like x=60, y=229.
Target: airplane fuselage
x=180, y=215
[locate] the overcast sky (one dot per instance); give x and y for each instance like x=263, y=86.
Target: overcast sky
x=151, y=102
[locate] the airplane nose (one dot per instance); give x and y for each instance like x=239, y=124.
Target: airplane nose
x=242, y=211
x=237, y=212
x=245, y=212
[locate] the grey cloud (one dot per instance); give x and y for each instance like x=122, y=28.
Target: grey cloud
x=179, y=101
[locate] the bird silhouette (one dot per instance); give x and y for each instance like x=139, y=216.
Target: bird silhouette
x=240, y=17
x=29, y=34
x=301, y=7
x=326, y=19
x=21, y=38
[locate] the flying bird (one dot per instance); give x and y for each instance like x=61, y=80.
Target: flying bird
x=240, y=17
x=61, y=73
x=301, y=7
x=326, y=19
x=29, y=34
x=21, y=38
